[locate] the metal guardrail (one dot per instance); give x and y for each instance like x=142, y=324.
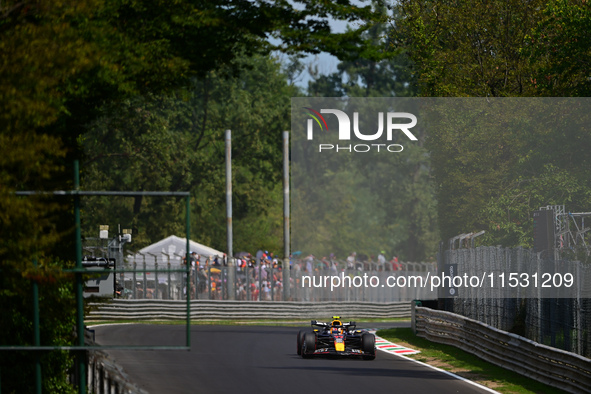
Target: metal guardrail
x=105, y=376
x=235, y=310
x=557, y=368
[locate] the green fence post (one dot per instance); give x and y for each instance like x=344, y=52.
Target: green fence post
x=81, y=362
x=36, y=332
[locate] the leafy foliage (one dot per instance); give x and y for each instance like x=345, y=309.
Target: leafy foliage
x=394, y=212
x=65, y=62
x=469, y=48
x=55, y=316
x=363, y=202
x=493, y=167
x=560, y=45
x=176, y=142
x=386, y=75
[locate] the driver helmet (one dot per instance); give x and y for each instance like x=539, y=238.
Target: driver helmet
x=336, y=326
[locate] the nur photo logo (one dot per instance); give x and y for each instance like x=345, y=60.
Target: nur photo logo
x=388, y=124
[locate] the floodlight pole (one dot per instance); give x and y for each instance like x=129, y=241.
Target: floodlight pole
x=286, y=267
x=230, y=259
x=188, y=235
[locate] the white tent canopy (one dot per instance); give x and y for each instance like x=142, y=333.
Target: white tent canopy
x=175, y=247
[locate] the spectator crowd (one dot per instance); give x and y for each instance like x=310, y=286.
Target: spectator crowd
x=260, y=276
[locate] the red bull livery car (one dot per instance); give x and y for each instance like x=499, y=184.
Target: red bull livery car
x=336, y=339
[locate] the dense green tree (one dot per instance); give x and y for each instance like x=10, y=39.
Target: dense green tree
x=62, y=60
x=176, y=142
x=402, y=187
x=495, y=162
x=61, y=63
x=391, y=205
x=549, y=167
x=474, y=146
x=469, y=48
x=560, y=45
x=363, y=202
x=387, y=75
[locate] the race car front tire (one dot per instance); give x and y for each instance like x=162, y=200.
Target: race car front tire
x=300, y=341
x=368, y=345
x=308, y=344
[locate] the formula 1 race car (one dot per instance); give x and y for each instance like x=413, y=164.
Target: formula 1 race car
x=337, y=339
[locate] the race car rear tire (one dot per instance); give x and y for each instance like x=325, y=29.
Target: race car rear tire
x=301, y=334
x=308, y=345
x=368, y=345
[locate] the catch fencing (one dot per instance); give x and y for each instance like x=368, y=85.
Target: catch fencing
x=242, y=310
x=311, y=281
x=561, y=321
x=557, y=368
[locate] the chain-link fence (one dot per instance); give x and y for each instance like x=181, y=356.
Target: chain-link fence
x=529, y=296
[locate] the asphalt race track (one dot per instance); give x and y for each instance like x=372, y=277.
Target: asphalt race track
x=259, y=359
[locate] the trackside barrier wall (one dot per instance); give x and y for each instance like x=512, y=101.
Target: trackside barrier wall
x=233, y=310
x=554, y=367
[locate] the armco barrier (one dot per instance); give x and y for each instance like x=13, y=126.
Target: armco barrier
x=104, y=376
x=234, y=310
x=554, y=367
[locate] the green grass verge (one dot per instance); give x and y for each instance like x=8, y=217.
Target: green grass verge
x=465, y=364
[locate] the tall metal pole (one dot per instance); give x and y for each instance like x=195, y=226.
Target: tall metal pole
x=286, y=266
x=79, y=300
x=187, y=251
x=231, y=273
